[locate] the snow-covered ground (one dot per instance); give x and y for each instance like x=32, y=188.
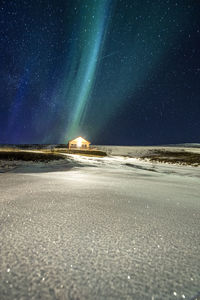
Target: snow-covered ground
x=138, y=151
x=99, y=228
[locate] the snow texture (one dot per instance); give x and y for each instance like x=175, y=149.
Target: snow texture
x=99, y=228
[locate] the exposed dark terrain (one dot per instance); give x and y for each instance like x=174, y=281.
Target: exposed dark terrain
x=30, y=156
x=174, y=157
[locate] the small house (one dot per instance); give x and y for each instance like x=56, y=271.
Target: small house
x=79, y=143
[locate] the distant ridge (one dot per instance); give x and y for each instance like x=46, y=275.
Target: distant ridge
x=188, y=145
x=35, y=146
x=49, y=146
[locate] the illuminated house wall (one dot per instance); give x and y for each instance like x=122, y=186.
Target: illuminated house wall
x=79, y=143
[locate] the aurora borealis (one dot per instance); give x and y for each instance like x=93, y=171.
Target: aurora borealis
x=113, y=71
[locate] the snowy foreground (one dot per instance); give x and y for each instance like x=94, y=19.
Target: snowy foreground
x=99, y=228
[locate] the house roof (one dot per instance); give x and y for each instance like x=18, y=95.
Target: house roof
x=78, y=139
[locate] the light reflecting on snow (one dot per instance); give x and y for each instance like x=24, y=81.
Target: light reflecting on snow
x=115, y=227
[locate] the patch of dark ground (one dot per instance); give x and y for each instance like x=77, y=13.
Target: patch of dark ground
x=140, y=167
x=89, y=152
x=30, y=156
x=43, y=154
x=176, y=157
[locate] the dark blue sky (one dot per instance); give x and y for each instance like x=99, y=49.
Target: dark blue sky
x=116, y=72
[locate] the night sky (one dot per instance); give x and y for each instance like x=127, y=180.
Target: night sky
x=121, y=72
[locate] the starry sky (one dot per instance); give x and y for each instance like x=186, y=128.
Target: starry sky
x=120, y=72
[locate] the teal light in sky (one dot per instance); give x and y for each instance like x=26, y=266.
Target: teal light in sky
x=113, y=71
x=83, y=69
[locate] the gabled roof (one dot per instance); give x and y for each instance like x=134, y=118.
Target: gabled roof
x=78, y=139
